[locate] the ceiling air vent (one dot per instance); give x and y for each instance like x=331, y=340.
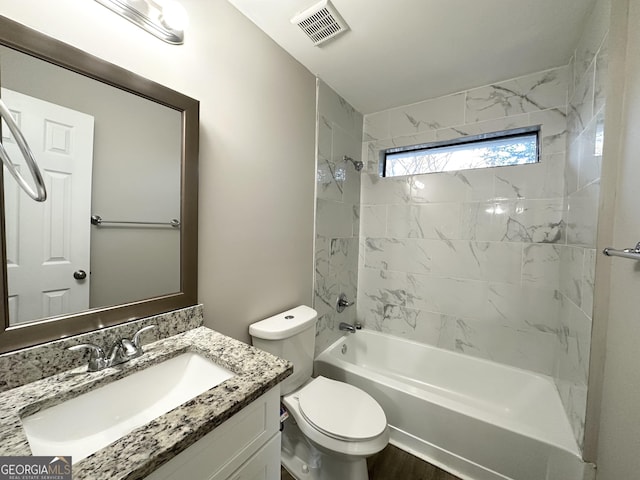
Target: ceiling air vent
x=320, y=22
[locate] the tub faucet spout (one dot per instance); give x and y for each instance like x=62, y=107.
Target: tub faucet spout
x=347, y=327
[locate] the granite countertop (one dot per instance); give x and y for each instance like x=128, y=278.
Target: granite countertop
x=139, y=453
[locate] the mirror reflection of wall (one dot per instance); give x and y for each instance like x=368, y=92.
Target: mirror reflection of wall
x=136, y=176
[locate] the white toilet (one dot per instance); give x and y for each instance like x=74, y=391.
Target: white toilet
x=332, y=426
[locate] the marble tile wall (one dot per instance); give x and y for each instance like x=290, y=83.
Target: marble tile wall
x=469, y=261
x=339, y=133
x=588, y=78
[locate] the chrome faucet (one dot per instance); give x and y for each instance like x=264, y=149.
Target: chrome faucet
x=347, y=327
x=121, y=351
x=135, y=347
x=342, y=303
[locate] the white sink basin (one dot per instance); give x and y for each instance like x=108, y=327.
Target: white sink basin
x=85, y=424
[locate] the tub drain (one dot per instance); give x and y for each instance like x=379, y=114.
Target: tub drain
x=344, y=348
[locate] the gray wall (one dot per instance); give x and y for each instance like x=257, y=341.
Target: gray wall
x=257, y=135
x=616, y=319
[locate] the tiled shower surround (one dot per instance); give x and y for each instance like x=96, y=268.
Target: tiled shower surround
x=496, y=263
x=337, y=212
x=587, y=83
x=468, y=261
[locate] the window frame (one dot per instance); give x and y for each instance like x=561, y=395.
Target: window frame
x=467, y=139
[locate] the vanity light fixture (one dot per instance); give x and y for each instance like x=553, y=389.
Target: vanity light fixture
x=165, y=19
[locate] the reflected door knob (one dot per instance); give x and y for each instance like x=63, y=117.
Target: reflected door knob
x=79, y=274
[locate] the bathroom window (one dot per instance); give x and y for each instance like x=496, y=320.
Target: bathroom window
x=498, y=149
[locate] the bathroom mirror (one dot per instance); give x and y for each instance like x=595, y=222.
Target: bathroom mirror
x=117, y=237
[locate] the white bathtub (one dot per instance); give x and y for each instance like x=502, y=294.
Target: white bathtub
x=477, y=419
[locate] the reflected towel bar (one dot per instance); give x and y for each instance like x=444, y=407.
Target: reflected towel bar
x=631, y=253
x=98, y=221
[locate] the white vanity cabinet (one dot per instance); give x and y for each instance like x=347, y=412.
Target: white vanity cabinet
x=245, y=447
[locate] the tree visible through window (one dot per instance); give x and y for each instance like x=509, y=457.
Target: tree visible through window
x=511, y=147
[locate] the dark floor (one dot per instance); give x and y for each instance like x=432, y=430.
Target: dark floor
x=395, y=464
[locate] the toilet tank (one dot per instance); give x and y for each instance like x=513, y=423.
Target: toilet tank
x=290, y=335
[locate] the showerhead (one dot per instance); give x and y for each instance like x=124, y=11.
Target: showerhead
x=358, y=165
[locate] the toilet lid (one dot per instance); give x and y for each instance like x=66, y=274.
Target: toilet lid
x=340, y=410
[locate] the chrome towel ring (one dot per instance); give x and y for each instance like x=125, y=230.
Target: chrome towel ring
x=631, y=253
x=40, y=192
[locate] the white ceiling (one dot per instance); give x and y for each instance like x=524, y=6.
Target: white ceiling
x=402, y=51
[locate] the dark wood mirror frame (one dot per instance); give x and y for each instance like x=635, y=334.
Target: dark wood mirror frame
x=28, y=41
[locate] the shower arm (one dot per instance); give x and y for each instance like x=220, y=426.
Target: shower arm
x=357, y=164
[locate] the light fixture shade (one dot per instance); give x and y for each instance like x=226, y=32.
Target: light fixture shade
x=165, y=19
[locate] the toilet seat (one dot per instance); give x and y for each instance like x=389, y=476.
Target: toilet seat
x=319, y=432
x=340, y=410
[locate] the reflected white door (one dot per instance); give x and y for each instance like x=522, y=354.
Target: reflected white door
x=48, y=242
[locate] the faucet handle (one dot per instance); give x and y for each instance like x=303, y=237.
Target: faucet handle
x=130, y=350
x=120, y=352
x=97, y=358
x=136, y=338
x=342, y=303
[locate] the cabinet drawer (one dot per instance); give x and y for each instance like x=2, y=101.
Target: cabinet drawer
x=222, y=451
x=264, y=465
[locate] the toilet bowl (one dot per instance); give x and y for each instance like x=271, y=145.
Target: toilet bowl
x=332, y=426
